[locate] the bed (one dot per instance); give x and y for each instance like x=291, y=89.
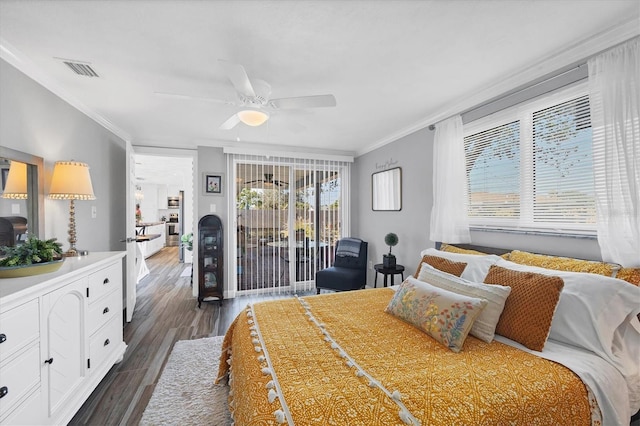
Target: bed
x=360, y=358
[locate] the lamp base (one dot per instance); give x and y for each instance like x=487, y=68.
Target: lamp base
x=73, y=252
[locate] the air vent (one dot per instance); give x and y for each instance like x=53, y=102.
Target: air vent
x=81, y=69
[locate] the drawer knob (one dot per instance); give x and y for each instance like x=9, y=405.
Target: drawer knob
x=48, y=361
x=3, y=337
x=105, y=310
x=3, y=391
x=106, y=342
x=106, y=281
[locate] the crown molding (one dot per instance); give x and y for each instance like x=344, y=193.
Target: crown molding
x=18, y=60
x=566, y=57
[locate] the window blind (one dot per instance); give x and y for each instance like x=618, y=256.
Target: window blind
x=563, y=187
x=493, y=170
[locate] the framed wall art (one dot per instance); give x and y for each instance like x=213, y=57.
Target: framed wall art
x=213, y=183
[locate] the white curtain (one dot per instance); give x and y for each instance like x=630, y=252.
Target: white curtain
x=449, y=219
x=614, y=94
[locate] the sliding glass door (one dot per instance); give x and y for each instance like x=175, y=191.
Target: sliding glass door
x=289, y=215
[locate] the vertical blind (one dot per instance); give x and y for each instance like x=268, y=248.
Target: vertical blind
x=289, y=214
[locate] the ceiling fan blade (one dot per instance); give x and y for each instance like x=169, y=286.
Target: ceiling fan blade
x=238, y=77
x=189, y=97
x=316, y=101
x=230, y=123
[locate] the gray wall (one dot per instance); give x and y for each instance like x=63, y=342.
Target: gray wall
x=413, y=153
x=212, y=160
x=35, y=121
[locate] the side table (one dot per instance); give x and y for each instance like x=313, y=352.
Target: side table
x=380, y=269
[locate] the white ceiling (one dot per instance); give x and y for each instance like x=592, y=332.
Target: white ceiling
x=393, y=66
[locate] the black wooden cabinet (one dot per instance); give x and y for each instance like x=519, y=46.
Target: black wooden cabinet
x=210, y=259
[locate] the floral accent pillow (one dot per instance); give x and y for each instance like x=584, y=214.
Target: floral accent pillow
x=484, y=327
x=442, y=314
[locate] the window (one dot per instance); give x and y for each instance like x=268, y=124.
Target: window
x=531, y=166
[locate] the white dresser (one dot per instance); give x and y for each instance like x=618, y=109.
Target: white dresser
x=60, y=333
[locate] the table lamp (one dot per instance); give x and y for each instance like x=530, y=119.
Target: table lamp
x=16, y=186
x=71, y=181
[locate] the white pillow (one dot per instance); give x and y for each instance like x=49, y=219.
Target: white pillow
x=484, y=327
x=599, y=314
x=477, y=265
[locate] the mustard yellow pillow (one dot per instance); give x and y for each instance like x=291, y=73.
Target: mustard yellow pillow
x=528, y=311
x=561, y=263
x=454, y=249
x=631, y=275
x=445, y=265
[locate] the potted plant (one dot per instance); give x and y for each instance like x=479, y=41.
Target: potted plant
x=32, y=257
x=187, y=241
x=389, y=260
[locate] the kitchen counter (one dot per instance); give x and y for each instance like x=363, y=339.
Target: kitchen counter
x=141, y=224
x=141, y=227
x=150, y=239
x=147, y=237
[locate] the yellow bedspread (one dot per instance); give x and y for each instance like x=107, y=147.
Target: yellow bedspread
x=338, y=359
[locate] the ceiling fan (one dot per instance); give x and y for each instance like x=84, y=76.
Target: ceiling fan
x=268, y=180
x=254, y=102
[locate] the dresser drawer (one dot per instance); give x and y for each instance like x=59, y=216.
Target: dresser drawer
x=30, y=412
x=18, y=326
x=19, y=377
x=105, y=281
x=104, y=342
x=102, y=310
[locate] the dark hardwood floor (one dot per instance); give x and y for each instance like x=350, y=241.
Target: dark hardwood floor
x=165, y=313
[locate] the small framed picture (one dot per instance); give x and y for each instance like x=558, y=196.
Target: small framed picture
x=213, y=183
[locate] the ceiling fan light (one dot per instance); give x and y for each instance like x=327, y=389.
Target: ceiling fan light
x=253, y=117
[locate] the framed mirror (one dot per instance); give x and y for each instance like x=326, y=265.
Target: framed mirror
x=22, y=190
x=386, y=190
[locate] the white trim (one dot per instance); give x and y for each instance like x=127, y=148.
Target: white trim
x=286, y=154
x=557, y=60
x=562, y=94
x=165, y=152
x=20, y=61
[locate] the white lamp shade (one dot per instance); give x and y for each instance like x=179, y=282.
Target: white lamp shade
x=71, y=181
x=253, y=117
x=16, y=186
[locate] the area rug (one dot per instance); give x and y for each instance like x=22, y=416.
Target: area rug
x=186, y=272
x=185, y=393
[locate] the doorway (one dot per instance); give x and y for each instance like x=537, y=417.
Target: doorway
x=289, y=215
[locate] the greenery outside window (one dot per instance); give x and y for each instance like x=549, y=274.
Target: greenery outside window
x=530, y=167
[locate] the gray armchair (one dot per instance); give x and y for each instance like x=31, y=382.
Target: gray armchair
x=349, y=270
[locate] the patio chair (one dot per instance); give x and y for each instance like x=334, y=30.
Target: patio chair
x=349, y=270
